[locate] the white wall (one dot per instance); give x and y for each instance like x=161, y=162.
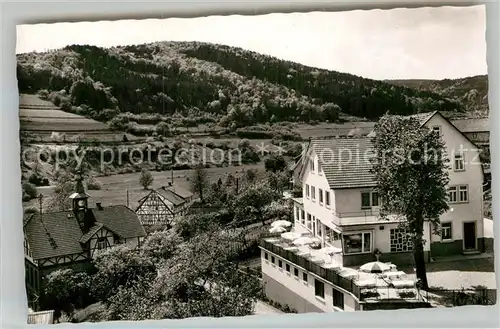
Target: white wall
x=301, y=288
x=317, y=179
x=348, y=201
x=472, y=176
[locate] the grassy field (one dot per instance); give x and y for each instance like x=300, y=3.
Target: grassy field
x=114, y=187
x=40, y=118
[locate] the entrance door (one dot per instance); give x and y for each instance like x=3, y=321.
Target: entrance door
x=470, y=236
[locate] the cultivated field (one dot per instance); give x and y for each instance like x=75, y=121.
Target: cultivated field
x=114, y=187
x=40, y=118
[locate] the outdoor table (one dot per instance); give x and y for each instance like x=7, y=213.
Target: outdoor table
x=391, y=275
x=403, y=284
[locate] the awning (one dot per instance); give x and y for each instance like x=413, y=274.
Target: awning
x=331, y=225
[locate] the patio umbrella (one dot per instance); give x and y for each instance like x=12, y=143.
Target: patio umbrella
x=375, y=267
x=290, y=235
x=281, y=223
x=277, y=229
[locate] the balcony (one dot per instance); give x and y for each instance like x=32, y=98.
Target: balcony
x=362, y=217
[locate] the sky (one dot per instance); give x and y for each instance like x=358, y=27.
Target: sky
x=423, y=43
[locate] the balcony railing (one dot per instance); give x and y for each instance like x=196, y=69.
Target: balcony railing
x=328, y=274
x=381, y=293
x=368, y=216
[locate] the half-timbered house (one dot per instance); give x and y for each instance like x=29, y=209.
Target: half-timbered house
x=70, y=239
x=163, y=205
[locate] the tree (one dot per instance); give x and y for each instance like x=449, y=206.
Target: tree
x=252, y=202
x=411, y=174
x=275, y=163
x=146, y=179
x=59, y=200
x=65, y=290
x=199, y=181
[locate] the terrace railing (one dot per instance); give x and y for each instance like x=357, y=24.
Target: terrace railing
x=328, y=274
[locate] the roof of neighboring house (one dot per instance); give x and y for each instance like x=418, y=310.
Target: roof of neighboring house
x=58, y=233
x=472, y=125
x=174, y=194
x=345, y=161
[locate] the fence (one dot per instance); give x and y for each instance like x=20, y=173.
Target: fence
x=460, y=297
x=327, y=274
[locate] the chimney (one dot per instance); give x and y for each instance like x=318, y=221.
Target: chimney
x=99, y=205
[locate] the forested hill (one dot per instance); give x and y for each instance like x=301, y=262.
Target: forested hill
x=209, y=83
x=472, y=92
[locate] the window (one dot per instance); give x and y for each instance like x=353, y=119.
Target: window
x=280, y=263
x=357, y=243
x=458, y=193
x=319, y=289
x=369, y=199
x=287, y=267
x=297, y=214
x=311, y=163
x=400, y=240
x=309, y=224
x=459, y=163
x=338, y=298
x=304, y=277
x=437, y=129
x=102, y=243
x=266, y=256
x=320, y=196
x=446, y=231
x=296, y=272
x=327, y=198
x=307, y=190
x=313, y=193
x=272, y=259
x=116, y=239
x=303, y=217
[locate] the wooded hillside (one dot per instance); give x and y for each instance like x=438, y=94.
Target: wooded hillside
x=191, y=83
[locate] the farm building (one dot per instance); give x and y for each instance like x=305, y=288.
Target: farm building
x=69, y=239
x=163, y=205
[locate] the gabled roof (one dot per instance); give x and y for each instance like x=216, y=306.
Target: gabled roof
x=472, y=125
x=345, y=161
x=58, y=233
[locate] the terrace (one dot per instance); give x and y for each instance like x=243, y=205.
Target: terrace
x=384, y=284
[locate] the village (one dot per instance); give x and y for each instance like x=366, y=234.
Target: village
x=284, y=171
x=309, y=232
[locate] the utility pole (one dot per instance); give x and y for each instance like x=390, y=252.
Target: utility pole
x=40, y=203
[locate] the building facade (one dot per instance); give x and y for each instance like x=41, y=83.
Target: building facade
x=162, y=206
x=340, y=204
x=70, y=239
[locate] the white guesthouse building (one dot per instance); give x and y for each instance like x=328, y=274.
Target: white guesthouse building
x=340, y=207
x=340, y=204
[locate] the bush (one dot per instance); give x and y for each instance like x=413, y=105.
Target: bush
x=30, y=210
x=94, y=184
x=30, y=190
x=38, y=180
